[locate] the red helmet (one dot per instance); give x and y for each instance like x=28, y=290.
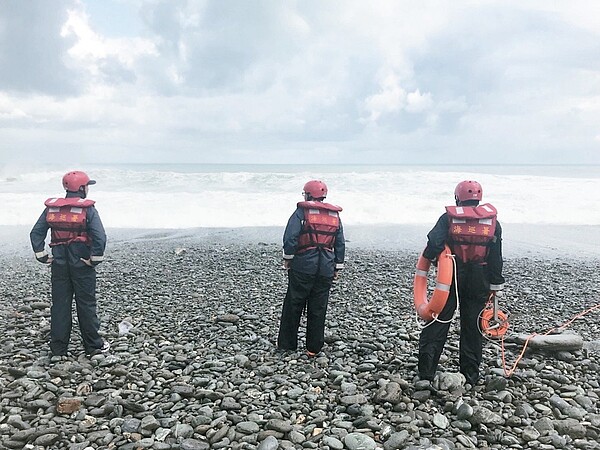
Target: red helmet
x=468, y=190
x=73, y=181
x=316, y=189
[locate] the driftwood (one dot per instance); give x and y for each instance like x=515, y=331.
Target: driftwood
x=551, y=343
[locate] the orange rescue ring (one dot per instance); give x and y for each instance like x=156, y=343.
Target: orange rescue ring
x=428, y=309
x=491, y=327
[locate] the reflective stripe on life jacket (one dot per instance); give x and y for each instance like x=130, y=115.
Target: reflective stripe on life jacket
x=321, y=225
x=471, y=231
x=67, y=218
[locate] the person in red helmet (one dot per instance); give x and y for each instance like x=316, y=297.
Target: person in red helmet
x=77, y=241
x=474, y=236
x=313, y=254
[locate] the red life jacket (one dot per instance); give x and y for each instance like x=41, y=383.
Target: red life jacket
x=321, y=224
x=471, y=231
x=67, y=218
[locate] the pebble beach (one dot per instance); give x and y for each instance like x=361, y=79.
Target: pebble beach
x=192, y=323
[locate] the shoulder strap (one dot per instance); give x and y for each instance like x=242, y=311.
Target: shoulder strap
x=319, y=205
x=71, y=201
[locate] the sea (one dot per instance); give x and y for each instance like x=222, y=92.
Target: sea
x=175, y=196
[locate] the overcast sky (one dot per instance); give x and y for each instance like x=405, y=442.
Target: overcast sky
x=312, y=81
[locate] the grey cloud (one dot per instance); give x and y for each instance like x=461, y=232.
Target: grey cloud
x=241, y=81
x=114, y=72
x=475, y=55
x=213, y=45
x=510, y=66
x=251, y=50
x=32, y=51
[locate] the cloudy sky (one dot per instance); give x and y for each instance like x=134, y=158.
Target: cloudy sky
x=312, y=81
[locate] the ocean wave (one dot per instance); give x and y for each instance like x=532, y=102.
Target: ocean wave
x=161, y=197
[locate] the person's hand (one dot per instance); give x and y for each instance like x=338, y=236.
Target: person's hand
x=46, y=259
x=498, y=294
x=87, y=262
x=287, y=263
x=336, y=274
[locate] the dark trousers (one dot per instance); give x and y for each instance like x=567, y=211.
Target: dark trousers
x=80, y=282
x=473, y=290
x=310, y=292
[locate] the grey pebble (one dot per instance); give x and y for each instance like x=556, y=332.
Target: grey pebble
x=198, y=368
x=270, y=443
x=359, y=441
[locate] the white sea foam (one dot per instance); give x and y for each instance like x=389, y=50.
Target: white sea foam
x=238, y=196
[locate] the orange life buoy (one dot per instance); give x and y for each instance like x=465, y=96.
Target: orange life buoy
x=492, y=327
x=426, y=309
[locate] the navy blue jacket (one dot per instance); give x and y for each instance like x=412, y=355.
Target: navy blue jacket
x=73, y=252
x=438, y=237
x=314, y=261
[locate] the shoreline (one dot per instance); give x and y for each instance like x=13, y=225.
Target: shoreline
x=519, y=240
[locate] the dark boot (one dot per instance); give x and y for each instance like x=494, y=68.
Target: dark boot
x=472, y=377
